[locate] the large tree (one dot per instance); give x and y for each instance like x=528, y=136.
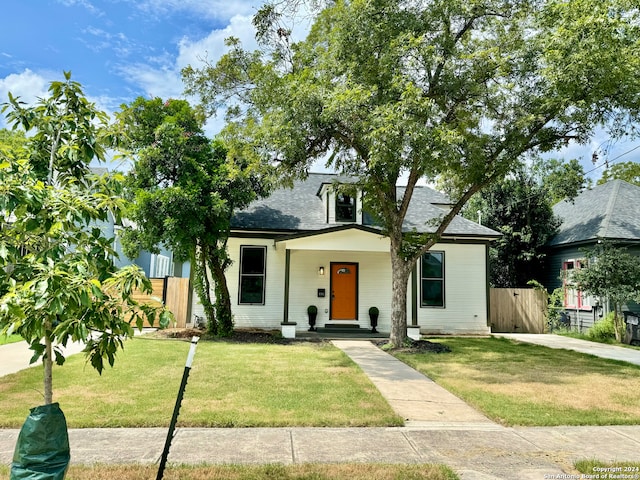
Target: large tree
x=456, y=89
x=58, y=279
x=520, y=208
x=185, y=191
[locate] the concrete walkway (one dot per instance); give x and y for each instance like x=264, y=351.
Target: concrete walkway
x=440, y=428
x=602, y=350
x=16, y=356
x=416, y=398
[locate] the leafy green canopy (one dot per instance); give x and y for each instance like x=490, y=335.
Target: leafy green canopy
x=459, y=90
x=520, y=208
x=627, y=171
x=185, y=190
x=58, y=279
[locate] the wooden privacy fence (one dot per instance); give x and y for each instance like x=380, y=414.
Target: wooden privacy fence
x=517, y=310
x=174, y=293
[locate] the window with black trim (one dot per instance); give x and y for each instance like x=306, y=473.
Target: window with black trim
x=345, y=208
x=432, y=279
x=252, y=275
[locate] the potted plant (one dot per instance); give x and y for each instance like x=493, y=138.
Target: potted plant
x=373, y=317
x=312, y=311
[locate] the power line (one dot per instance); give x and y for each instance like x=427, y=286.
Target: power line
x=608, y=162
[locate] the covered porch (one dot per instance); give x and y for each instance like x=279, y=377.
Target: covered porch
x=343, y=272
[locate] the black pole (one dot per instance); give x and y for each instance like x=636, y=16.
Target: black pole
x=176, y=409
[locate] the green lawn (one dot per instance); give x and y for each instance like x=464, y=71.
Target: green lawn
x=230, y=385
x=522, y=384
x=4, y=339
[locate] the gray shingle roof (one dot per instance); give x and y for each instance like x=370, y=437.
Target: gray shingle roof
x=301, y=209
x=609, y=211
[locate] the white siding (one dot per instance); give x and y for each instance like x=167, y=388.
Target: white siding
x=465, y=309
x=374, y=285
x=465, y=287
x=268, y=315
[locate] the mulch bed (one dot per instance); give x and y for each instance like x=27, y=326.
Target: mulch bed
x=239, y=335
x=416, y=346
x=248, y=335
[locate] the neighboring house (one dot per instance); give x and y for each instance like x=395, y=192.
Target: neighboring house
x=610, y=211
x=311, y=245
x=154, y=265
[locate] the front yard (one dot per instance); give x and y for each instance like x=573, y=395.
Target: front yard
x=522, y=384
x=315, y=384
x=230, y=385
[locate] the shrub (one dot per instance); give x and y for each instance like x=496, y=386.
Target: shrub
x=603, y=329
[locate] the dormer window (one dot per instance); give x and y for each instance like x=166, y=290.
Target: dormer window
x=345, y=208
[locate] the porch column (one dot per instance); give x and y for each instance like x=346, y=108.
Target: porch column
x=287, y=266
x=414, y=295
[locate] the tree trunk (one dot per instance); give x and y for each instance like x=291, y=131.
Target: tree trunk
x=223, y=299
x=203, y=289
x=400, y=271
x=47, y=362
x=617, y=324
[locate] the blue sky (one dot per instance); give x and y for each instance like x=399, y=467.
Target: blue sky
x=121, y=49
x=117, y=49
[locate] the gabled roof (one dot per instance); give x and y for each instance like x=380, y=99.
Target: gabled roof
x=300, y=209
x=608, y=211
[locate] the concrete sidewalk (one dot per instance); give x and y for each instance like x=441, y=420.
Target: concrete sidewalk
x=601, y=350
x=440, y=428
x=508, y=453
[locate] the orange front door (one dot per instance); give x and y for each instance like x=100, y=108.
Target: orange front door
x=344, y=292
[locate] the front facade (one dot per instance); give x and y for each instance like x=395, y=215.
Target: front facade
x=607, y=212
x=312, y=245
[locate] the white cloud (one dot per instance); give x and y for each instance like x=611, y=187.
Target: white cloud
x=213, y=9
x=82, y=3
x=212, y=47
x=160, y=75
x=164, y=82
x=29, y=86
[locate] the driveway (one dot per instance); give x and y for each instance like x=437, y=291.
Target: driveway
x=602, y=350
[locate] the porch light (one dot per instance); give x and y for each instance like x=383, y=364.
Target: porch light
x=320, y=271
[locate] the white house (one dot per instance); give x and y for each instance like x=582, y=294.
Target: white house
x=310, y=245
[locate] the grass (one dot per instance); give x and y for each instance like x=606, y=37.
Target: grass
x=603, y=470
x=5, y=339
x=522, y=384
x=263, y=472
x=230, y=385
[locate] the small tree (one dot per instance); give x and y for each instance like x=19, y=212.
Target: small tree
x=58, y=277
x=611, y=273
